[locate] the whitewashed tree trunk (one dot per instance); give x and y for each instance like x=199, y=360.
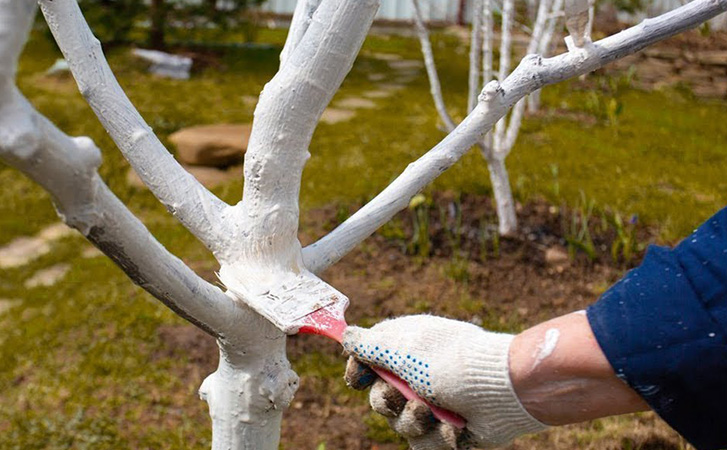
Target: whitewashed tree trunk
x=475, y=77
x=255, y=240
x=434, y=84
x=544, y=48
x=504, y=201
x=495, y=146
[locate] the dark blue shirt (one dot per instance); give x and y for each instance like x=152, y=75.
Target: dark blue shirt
x=663, y=328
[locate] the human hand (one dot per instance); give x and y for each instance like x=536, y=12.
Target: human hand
x=452, y=364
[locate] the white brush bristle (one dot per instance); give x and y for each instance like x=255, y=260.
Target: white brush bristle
x=290, y=299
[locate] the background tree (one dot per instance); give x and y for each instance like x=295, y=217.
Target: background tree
x=496, y=146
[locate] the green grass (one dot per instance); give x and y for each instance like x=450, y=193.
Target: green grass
x=77, y=363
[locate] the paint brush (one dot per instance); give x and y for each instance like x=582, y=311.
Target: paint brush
x=303, y=303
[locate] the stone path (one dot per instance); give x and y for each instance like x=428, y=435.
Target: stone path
x=404, y=72
x=26, y=249
x=23, y=250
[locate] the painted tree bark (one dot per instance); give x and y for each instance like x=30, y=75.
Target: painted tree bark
x=495, y=146
x=255, y=240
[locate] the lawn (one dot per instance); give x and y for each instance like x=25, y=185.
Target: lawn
x=95, y=362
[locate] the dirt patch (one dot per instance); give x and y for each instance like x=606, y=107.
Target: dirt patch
x=462, y=279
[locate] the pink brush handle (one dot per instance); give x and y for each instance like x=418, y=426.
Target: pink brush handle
x=442, y=414
x=324, y=323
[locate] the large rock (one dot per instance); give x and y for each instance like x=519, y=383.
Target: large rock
x=212, y=145
x=165, y=64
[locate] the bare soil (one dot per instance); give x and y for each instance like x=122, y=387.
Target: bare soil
x=509, y=292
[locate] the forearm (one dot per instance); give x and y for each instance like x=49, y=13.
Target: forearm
x=561, y=376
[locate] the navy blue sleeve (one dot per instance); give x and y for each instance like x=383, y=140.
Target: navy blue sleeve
x=663, y=328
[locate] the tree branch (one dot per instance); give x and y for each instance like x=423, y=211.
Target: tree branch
x=302, y=17
x=516, y=118
x=475, y=55
x=532, y=74
x=434, y=85
x=248, y=393
x=286, y=116
x=198, y=209
x=487, y=41
x=508, y=9
x=544, y=48
x=66, y=168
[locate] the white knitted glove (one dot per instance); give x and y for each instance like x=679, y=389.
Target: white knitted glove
x=452, y=364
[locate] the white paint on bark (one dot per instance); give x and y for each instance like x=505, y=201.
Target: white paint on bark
x=434, y=84
x=255, y=241
x=66, y=167
x=544, y=48
x=487, y=40
x=302, y=18
x=198, y=209
x=577, y=19
x=476, y=41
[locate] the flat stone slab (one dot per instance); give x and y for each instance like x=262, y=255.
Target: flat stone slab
x=47, y=277
x=356, y=103
x=404, y=64
x=392, y=86
x=378, y=94
x=336, y=115
x=91, y=252
x=6, y=304
x=23, y=250
x=218, y=145
x=385, y=56
x=56, y=231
